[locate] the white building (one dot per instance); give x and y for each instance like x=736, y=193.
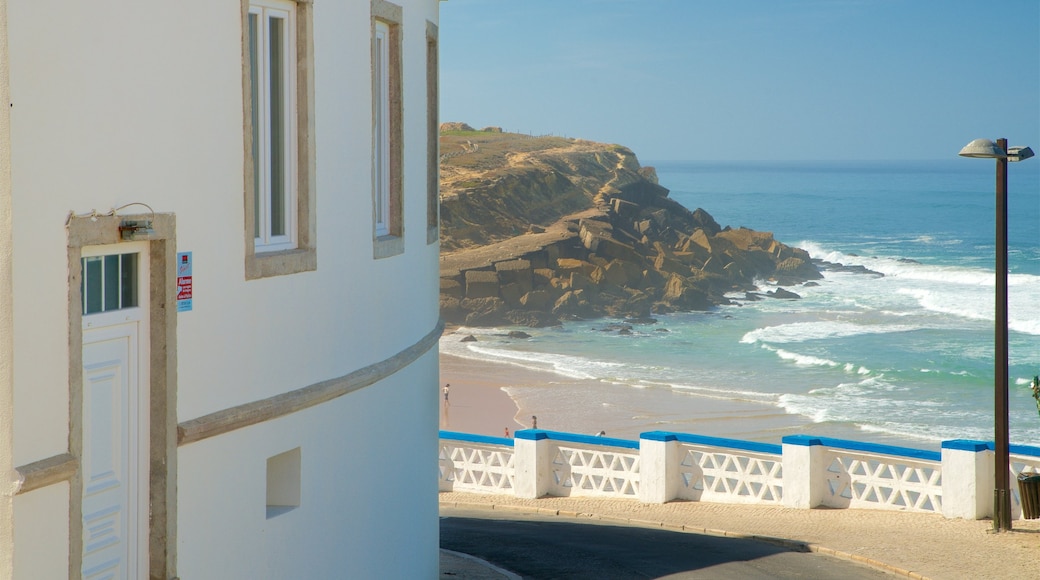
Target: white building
x=275, y=160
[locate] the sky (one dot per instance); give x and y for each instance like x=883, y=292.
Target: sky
x=750, y=79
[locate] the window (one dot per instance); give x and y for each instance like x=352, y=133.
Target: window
x=432, y=137
x=109, y=283
x=381, y=154
x=271, y=54
x=278, y=98
x=386, y=129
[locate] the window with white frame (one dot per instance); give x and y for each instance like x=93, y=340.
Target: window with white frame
x=387, y=152
x=381, y=127
x=272, y=76
x=432, y=137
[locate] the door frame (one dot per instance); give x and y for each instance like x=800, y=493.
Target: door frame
x=131, y=324
x=161, y=380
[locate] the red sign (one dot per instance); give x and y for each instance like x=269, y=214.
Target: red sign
x=183, y=287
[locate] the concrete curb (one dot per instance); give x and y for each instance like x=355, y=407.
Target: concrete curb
x=788, y=543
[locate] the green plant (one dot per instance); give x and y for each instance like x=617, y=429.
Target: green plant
x=1036, y=391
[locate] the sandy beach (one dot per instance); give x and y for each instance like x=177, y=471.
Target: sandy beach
x=486, y=398
x=476, y=402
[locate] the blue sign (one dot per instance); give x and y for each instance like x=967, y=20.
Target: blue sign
x=183, y=281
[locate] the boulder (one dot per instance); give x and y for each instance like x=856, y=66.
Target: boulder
x=783, y=294
x=536, y=300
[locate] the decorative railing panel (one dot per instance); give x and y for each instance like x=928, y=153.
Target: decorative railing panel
x=858, y=479
x=594, y=470
x=726, y=475
x=475, y=463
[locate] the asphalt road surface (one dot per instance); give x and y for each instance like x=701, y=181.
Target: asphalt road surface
x=542, y=547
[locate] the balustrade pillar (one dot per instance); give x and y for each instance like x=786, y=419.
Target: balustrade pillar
x=967, y=479
x=532, y=460
x=659, y=476
x=805, y=471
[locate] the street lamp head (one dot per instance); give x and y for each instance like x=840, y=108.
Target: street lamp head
x=983, y=148
x=1019, y=153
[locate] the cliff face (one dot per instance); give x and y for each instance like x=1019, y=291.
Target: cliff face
x=539, y=229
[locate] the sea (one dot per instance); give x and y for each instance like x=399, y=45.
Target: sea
x=903, y=358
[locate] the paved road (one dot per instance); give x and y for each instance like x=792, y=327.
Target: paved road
x=540, y=546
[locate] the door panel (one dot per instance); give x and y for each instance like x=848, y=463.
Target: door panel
x=110, y=452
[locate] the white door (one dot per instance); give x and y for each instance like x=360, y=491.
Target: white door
x=115, y=414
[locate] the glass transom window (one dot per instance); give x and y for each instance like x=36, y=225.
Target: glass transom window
x=109, y=283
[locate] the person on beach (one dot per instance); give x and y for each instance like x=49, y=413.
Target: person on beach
x=507, y=432
x=534, y=422
x=446, y=387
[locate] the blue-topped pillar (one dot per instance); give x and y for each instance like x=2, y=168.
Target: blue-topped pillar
x=532, y=462
x=805, y=471
x=659, y=477
x=967, y=479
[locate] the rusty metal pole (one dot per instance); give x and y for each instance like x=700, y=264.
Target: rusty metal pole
x=1002, y=463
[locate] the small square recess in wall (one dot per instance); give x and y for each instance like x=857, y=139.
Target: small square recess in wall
x=283, y=483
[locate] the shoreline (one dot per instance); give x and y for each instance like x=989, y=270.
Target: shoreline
x=476, y=402
x=487, y=398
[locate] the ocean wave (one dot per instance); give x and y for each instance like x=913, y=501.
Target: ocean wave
x=818, y=330
x=722, y=393
x=567, y=366
x=804, y=360
x=962, y=291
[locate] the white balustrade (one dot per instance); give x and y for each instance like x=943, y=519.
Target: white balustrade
x=713, y=469
x=804, y=472
x=476, y=464
x=594, y=470
x=866, y=480
x=849, y=474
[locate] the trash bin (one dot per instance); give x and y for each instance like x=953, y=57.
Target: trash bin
x=1029, y=492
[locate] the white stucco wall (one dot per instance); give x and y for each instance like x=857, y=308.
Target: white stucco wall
x=8, y=477
x=367, y=467
x=121, y=101
x=42, y=533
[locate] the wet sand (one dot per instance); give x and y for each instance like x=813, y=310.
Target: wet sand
x=476, y=402
x=486, y=398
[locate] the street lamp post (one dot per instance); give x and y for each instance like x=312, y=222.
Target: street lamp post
x=984, y=148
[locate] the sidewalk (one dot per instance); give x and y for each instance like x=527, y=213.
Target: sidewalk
x=907, y=544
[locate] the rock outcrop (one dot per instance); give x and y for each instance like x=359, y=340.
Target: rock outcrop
x=535, y=230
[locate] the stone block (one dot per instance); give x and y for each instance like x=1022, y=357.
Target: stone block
x=568, y=265
x=536, y=300
x=481, y=284
x=615, y=273
x=625, y=209
x=542, y=276
x=512, y=293
x=451, y=287
x=515, y=272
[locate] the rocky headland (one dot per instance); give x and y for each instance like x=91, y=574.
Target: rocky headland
x=535, y=230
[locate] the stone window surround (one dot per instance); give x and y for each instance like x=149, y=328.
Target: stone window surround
x=392, y=244
x=432, y=135
x=304, y=257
